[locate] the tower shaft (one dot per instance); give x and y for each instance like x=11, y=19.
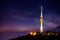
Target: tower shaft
x=41, y=21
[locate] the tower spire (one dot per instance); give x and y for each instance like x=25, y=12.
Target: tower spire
x=41, y=11
x=41, y=20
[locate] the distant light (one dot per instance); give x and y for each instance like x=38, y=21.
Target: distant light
x=33, y=33
x=56, y=34
x=52, y=33
x=48, y=34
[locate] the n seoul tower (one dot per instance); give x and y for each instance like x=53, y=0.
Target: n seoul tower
x=41, y=20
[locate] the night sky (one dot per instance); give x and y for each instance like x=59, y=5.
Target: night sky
x=23, y=15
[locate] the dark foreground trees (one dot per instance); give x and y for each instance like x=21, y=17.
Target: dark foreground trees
x=39, y=36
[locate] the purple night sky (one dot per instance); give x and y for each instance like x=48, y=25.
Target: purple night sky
x=18, y=17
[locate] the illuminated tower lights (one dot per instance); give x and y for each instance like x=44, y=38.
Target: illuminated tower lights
x=41, y=21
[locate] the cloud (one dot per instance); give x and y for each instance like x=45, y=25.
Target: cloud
x=57, y=29
x=16, y=29
x=49, y=25
x=19, y=17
